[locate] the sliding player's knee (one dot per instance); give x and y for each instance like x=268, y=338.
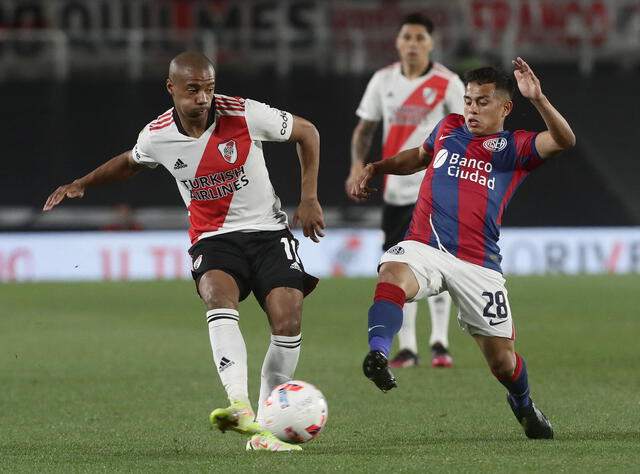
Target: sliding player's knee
x=399, y=274
x=503, y=364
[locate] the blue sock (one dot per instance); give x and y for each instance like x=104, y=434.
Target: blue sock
x=385, y=320
x=518, y=384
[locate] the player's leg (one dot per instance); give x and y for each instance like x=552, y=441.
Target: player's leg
x=396, y=283
x=510, y=369
x=395, y=223
x=219, y=271
x=439, y=308
x=284, y=308
x=408, y=271
x=221, y=294
x=485, y=313
x=280, y=284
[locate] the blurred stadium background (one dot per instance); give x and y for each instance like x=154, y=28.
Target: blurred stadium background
x=78, y=81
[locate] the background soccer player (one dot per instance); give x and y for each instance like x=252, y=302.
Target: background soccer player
x=210, y=143
x=473, y=168
x=410, y=97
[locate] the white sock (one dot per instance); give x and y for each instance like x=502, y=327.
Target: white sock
x=439, y=306
x=407, y=333
x=229, y=352
x=279, y=365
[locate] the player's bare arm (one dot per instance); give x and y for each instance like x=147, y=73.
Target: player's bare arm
x=360, y=145
x=309, y=212
x=119, y=168
x=558, y=136
x=406, y=162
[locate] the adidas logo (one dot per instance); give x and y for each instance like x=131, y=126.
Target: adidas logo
x=225, y=364
x=179, y=164
x=295, y=266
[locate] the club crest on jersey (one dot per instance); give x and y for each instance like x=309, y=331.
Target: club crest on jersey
x=429, y=95
x=229, y=151
x=396, y=250
x=197, y=262
x=495, y=144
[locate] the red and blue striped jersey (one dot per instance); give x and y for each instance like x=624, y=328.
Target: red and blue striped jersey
x=467, y=187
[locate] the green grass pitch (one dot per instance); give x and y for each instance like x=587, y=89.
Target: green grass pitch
x=118, y=377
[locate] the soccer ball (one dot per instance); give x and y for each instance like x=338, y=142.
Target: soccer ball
x=295, y=412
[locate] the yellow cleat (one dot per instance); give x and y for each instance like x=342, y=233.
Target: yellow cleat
x=238, y=417
x=266, y=441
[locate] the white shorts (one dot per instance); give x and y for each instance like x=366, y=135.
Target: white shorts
x=478, y=292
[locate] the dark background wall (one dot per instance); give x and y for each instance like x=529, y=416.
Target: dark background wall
x=55, y=132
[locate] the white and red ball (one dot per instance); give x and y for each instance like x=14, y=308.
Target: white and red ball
x=295, y=412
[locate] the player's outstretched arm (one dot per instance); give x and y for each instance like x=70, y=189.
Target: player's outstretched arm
x=406, y=162
x=309, y=212
x=119, y=168
x=558, y=136
x=360, y=146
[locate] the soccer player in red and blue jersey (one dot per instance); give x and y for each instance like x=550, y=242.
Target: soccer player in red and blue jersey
x=473, y=167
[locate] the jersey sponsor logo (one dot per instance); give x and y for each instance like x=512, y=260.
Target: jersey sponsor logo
x=429, y=95
x=216, y=185
x=446, y=136
x=295, y=266
x=495, y=144
x=285, y=120
x=396, y=250
x=197, y=262
x=229, y=151
x=440, y=158
x=412, y=115
x=462, y=167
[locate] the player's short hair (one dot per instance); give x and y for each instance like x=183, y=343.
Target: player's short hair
x=418, y=19
x=488, y=75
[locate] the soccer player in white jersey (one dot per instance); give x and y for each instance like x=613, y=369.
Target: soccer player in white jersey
x=211, y=144
x=410, y=97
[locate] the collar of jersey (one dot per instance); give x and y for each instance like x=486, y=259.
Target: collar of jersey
x=426, y=71
x=211, y=117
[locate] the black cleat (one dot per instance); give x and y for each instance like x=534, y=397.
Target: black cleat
x=376, y=368
x=536, y=425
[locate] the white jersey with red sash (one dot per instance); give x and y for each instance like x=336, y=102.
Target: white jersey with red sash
x=221, y=176
x=409, y=109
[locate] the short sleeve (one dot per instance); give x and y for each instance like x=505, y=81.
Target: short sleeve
x=370, y=107
x=142, y=150
x=267, y=123
x=454, y=96
x=527, y=154
x=429, y=143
